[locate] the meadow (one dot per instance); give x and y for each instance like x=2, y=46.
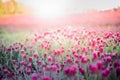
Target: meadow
x=60, y=54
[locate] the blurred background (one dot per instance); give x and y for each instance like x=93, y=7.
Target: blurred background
x=46, y=14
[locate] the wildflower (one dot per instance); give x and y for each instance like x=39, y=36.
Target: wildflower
x=84, y=59
x=66, y=70
x=95, y=56
x=84, y=50
x=69, y=60
x=45, y=55
x=48, y=68
x=93, y=68
x=30, y=65
x=21, y=63
x=35, y=76
x=73, y=70
x=30, y=59
x=22, y=51
x=39, y=62
x=49, y=58
x=5, y=71
x=101, y=49
x=35, y=55
x=46, y=78
x=28, y=72
x=116, y=63
x=108, y=59
x=99, y=64
x=54, y=67
x=24, y=56
x=82, y=71
x=105, y=72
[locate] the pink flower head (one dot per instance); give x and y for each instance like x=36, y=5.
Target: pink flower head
x=82, y=71
x=95, y=56
x=5, y=71
x=21, y=63
x=109, y=59
x=99, y=64
x=101, y=49
x=39, y=62
x=30, y=59
x=116, y=63
x=73, y=70
x=76, y=55
x=46, y=78
x=84, y=59
x=30, y=65
x=45, y=55
x=93, y=68
x=48, y=68
x=54, y=68
x=84, y=50
x=28, y=72
x=49, y=58
x=66, y=70
x=22, y=51
x=69, y=60
x=105, y=72
x=24, y=56
x=35, y=55
x=35, y=76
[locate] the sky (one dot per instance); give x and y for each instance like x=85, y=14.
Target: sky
x=62, y=7
x=78, y=4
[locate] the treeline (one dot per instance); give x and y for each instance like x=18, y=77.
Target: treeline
x=10, y=7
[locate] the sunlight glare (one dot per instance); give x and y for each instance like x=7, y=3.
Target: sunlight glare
x=50, y=8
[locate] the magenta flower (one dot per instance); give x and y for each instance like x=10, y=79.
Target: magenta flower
x=48, y=68
x=69, y=60
x=66, y=70
x=84, y=59
x=93, y=68
x=45, y=55
x=54, y=68
x=95, y=56
x=82, y=71
x=109, y=59
x=46, y=78
x=24, y=56
x=30, y=65
x=30, y=59
x=39, y=62
x=73, y=70
x=84, y=50
x=5, y=71
x=35, y=76
x=99, y=64
x=105, y=72
x=116, y=63
x=101, y=49
x=22, y=51
x=21, y=63
x=49, y=58
x=28, y=72
x=35, y=55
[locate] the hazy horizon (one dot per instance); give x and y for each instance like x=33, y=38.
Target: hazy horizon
x=74, y=6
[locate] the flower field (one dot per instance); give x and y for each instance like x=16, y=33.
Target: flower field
x=62, y=54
